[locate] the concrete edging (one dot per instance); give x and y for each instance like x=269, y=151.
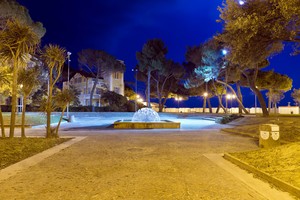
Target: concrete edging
x=249, y=135
x=277, y=182
x=240, y=133
x=35, y=159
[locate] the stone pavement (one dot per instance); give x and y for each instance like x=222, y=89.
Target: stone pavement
x=135, y=165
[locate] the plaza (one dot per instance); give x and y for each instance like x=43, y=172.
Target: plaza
x=140, y=164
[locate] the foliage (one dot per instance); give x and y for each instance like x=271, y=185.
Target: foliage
x=152, y=57
x=228, y=118
x=129, y=93
x=29, y=81
x=275, y=96
x=61, y=100
x=17, y=43
x=296, y=95
x=76, y=92
x=54, y=58
x=116, y=102
x=13, y=150
x=270, y=80
x=12, y=10
x=257, y=29
x=166, y=80
x=98, y=63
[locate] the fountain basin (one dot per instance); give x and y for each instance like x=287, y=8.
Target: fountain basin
x=163, y=124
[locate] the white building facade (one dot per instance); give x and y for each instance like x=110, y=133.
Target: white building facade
x=113, y=81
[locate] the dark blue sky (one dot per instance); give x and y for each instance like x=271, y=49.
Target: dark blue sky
x=121, y=27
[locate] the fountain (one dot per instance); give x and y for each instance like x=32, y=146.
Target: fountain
x=146, y=118
x=145, y=115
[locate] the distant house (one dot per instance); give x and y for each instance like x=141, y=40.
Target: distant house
x=113, y=81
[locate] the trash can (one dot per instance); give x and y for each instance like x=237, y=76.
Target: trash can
x=269, y=135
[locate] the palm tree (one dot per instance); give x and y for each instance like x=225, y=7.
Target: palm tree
x=29, y=80
x=17, y=42
x=4, y=80
x=54, y=58
x=61, y=100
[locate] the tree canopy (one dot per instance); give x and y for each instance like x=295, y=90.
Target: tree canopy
x=12, y=10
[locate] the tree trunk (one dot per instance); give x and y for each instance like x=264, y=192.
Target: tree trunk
x=165, y=99
x=232, y=90
x=14, y=99
x=49, y=106
x=204, y=104
x=2, y=123
x=148, y=89
x=269, y=104
x=58, y=125
x=209, y=105
x=251, y=82
x=218, y=108
x=93, y=90
x=219, y=100
x=221, y=104
x=23, y=116
x=159, y=96
x=240, y=96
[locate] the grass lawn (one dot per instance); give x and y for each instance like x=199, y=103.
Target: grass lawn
x=281, y=162
x=289, y=126
x=32, y=119
x=13, y=150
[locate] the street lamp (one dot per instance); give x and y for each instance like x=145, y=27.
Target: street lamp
x=139, y=99
x=178, y=99
x=68, y=54
x=230, y=97
x=135, y=104
x=241, y=2
x=224, y=52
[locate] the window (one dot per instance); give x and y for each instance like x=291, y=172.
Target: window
x=117, y=75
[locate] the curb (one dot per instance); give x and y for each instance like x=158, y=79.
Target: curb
x=240, y=133
x=277, y=182
x=33, y=160
x=249, y=135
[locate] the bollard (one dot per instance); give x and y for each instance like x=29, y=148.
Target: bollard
x=71, y=118
x=269, y=135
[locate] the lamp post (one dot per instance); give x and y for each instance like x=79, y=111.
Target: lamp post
x=21, y=99
x=68, y=54
x=230, y=97
x=205, y=94
x=135, y=102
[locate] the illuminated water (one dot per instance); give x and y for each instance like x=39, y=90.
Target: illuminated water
x=145, y=115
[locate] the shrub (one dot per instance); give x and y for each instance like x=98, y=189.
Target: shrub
x=228, y=118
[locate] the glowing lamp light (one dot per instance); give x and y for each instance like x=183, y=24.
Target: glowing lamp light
x=178, y=98
x=230, y=96
x=224, y=52
x=140, y=100
x=241, y=2
x=205, y=94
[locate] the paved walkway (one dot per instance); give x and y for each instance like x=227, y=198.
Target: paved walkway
x=135, y=165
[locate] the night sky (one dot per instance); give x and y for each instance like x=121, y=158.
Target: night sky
x=121, y=27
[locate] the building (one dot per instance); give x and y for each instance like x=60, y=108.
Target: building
x=112, y=81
